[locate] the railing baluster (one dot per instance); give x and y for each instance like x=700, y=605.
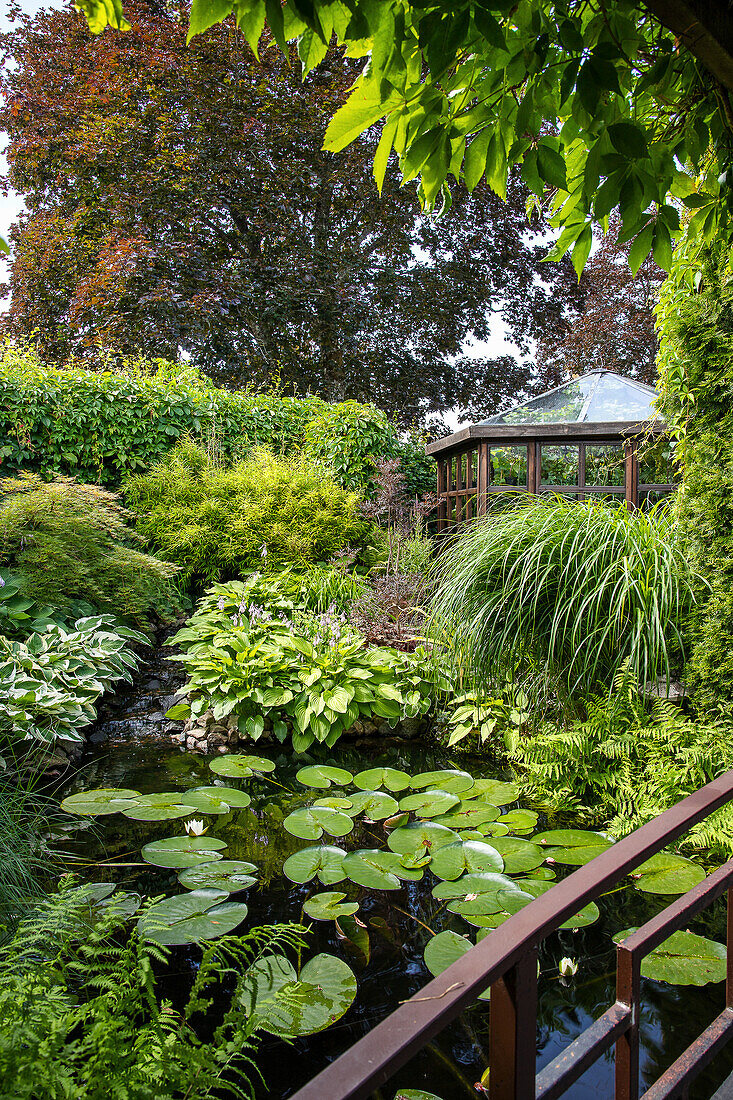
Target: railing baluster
x=513, y=1031
x=628, y=989
x=729, y=950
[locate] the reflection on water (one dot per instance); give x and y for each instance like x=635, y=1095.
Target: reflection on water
x=672, y=1017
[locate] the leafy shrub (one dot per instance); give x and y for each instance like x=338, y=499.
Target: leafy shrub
x=67, y=542
x=216, y=521
x=565, y=593
x=80, y=1014
x=102, y=425
x=50, y=683
x=313, y=671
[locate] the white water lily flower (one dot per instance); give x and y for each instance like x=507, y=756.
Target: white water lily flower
x=471, y=897
x=195, y=828
x=568, y=967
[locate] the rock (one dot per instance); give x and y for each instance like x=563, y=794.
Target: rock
x=218, y=738
x=233, y=737
x=192, y=744
x=411, y=727
x=673, y=691
x=179, y=737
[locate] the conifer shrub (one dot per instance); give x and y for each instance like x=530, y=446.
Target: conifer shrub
x=268, y=511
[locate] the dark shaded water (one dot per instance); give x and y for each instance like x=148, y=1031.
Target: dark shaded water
x=672, y=1017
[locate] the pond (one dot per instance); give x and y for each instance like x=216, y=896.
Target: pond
x=399, y=924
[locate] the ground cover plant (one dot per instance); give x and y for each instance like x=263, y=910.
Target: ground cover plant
x=309, y=676
x=266, y=510
x=66, y=543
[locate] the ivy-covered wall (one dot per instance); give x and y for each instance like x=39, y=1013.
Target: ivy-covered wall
x=100, y=426
x=696, y=370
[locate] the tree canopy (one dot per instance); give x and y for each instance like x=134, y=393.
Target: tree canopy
x=178, y=199
x=600, y=104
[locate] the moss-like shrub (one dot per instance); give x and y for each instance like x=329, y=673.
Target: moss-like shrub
x=266, y=511
x=66, y=542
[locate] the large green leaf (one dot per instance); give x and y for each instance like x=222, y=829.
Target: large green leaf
x=493, y=791
x=469, y=815
x=447, y=779
x=376, y=805
x=667, y=873
x=518, y=855
x=490, y=910
x=589, y=914
x=683, y=959
x=478, y=883
x=445, y=949
x=191, y=918
x=231, y=875
x=159, y=807
x=311, y=823
x=323, y=860
x=183, y=851
x=389, y=778
x=572, y=846
x=430, y=802
x=329, y=905
x=324, y=992
x=420, y=834
x=450, y=861
x=519, y=821
x=102, y=800
x=241, y=767
x=205, y=803
x=236, y=800
x=415, y=1094
x=372, y=868
x=323, y=776
x=354, y=936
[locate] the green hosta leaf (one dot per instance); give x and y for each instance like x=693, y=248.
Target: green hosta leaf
x=493, y=791
x=159, y=807
x=389, y=778
x=589, y=914
x=323, y=860
x=445, y=949
x=310, y=824
x=231, y=875
x=574, y=847
x=667, y=873
x=450, y=861
x=323, y=776
x=469, y=816
x=420, y=834
x=102, y=800
x=429, y=803
x=236, y=800
x=329, y=905
x=183, y=851
x=191, y=918
x=377, y=805
x=179, y=712
x=325, y=991
x=448, y=779
x=241, y=767
x=683, y=959
x=518, y=855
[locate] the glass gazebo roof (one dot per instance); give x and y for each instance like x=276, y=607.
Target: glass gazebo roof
x=599, y=397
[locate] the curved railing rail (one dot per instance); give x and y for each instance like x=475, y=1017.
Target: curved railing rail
x=506, y=960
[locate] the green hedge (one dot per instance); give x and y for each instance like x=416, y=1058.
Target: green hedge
x=103, y=425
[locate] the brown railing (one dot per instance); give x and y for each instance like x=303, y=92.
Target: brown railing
x=506, y=960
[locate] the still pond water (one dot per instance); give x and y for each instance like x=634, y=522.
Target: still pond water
x=450, y=1066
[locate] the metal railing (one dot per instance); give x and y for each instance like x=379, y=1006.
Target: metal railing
x=506, y=960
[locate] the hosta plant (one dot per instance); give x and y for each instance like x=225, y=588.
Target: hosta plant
x=49, y=684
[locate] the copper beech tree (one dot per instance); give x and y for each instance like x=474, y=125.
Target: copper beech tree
x=179, y=201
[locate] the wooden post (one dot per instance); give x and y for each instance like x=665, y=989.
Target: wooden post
x=483, y=478
x=442, y=498
x=459, y=485
x=513, y=1032
x=631, y=474
x=628, y=992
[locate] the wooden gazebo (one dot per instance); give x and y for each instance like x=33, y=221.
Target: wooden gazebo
x=598, y=435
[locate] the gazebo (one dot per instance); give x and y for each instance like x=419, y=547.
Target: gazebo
x=598, y=435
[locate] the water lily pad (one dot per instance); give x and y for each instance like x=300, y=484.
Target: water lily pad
x=490, y=910
x=445, y=949
x=667, y=873
x=389, y=778
x=377, y=805
x=329, y=905
x=231, y=875
x=490, y=883
x=311, y=823
x=371, y=868
x=519, y=821
x=493, y=828
x=518, y=855
x=159, y=807
x=493, y=791
x=335, y=802
x=236, y=800
x=237, y=766
x=191, y=918
x=574, y=847
x=354, y=935
x=324, y=992
x=415, y=1094
x=323, y=860
x=102, y=800
x=205, y=803
x=589, y=914
x=683, y=959
x=323, y=776
x=430, y=802
x=183, y=851
x=469, y=815
x=421, y=834
x=450, y=861
x=447, y=779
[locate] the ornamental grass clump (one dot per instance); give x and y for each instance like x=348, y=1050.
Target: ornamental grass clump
x=561, y=594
